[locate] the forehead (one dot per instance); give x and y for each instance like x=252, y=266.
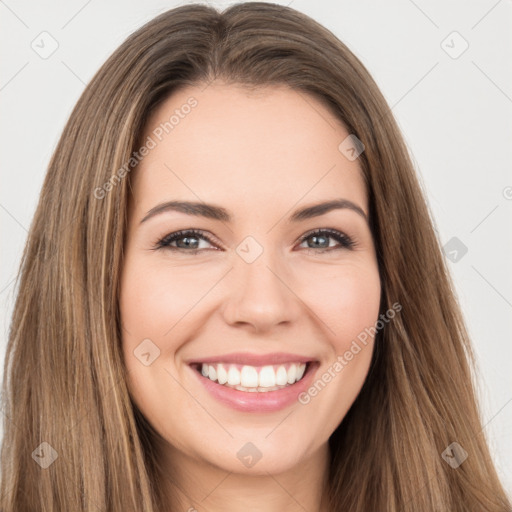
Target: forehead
x=255, y=148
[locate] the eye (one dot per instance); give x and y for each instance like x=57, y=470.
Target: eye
x=321, y=238
x=186, y=240
x=189, y=240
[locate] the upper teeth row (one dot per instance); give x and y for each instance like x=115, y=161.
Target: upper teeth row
x=254, y=376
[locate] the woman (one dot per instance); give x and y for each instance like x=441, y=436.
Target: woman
x=232, y=295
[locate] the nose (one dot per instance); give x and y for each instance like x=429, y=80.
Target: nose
x=261, y=294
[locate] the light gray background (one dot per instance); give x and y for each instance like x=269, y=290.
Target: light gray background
x=455, y=114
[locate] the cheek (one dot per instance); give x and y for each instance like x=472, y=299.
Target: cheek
x=149, y=308
x=349, y=308
x=155, y=297
x=157, y=304
x=146, y=316
x=346, y=301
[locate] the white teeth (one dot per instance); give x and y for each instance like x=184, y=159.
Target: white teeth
x=233, y=376
x=292, y=374
x=251, y=378
x=267, y=377
x=222, y=374
x=300, y=371
x=281, y=376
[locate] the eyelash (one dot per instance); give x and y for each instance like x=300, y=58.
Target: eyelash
x=344, y=241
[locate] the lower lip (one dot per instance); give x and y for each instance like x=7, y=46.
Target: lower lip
x=267, y=401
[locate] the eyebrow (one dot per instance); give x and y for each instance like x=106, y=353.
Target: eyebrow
x=214, y=212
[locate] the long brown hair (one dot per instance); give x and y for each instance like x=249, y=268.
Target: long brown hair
x=64, y=376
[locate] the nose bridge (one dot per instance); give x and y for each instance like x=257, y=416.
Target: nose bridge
x=259, y=293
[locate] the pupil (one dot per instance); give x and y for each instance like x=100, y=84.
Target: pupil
x=186, y=240
x=316, y=238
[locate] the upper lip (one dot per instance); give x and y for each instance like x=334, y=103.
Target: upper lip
x=245, y=358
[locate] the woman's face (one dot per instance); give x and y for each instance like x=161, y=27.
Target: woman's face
x=256, y=293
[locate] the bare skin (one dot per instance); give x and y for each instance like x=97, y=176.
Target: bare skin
x=261, y=156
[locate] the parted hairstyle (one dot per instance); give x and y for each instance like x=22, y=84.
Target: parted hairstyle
x=65, y=381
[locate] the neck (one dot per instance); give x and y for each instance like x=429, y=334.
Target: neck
x=195, y=484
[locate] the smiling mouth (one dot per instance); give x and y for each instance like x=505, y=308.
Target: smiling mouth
x=248, y=378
